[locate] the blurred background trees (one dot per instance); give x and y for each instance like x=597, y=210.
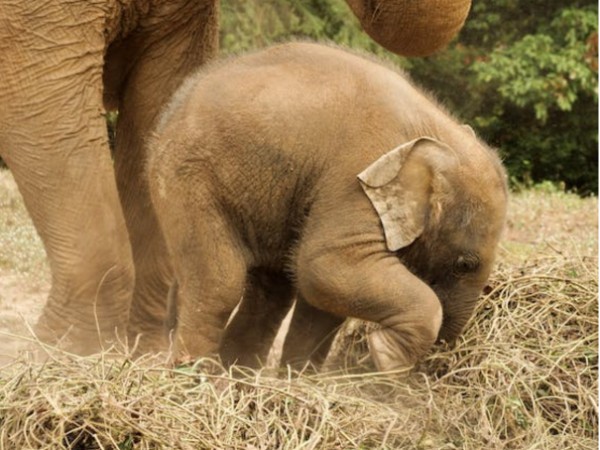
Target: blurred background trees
x=524, y=74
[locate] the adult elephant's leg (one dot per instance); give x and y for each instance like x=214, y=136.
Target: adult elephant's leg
x=166, y=47
x=74, y=206
x=53, y=138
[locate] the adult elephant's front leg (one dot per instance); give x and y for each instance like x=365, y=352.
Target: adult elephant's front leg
x=53, y=138
x=74, y=206
x=175, y=44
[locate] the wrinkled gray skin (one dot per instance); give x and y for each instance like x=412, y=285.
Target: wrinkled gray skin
x=64, y=64
x=305, y=170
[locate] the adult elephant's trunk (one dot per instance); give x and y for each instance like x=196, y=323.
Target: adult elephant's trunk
x=411, y=27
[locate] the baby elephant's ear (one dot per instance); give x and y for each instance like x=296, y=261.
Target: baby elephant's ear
x=399, y=185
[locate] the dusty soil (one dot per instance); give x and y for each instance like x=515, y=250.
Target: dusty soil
x=541, y=221
x=24, y=274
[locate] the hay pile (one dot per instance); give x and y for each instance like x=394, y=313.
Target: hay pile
x=524, y=375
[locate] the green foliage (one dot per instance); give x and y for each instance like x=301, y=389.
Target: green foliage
x=543, y=85
x=523, y=74
x=545, y=71
x=251, y=24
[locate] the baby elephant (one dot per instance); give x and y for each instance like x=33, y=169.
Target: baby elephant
x=310, y=172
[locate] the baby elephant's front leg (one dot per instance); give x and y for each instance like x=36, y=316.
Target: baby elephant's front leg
x=382, y=291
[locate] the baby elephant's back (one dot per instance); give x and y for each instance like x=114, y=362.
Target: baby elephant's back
x=257, y=133
x=293, y=98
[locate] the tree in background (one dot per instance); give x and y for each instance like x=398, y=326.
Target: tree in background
x=251, y=24
x=522, y=73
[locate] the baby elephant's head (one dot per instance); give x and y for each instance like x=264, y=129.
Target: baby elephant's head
x=443, y=213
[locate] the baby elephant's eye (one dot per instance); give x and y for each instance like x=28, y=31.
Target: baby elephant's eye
x=466, y=264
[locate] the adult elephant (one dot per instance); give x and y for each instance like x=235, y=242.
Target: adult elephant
x=64, y=64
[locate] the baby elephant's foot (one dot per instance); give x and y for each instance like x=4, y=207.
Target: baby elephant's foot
x=386, y=353
x=397, y=348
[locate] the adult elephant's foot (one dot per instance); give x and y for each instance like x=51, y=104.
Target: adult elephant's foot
x=93, y=321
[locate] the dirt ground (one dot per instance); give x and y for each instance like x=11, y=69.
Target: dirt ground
x=24, y=273
x=541, y=221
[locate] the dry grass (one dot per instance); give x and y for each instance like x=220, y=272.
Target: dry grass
x=523, y=375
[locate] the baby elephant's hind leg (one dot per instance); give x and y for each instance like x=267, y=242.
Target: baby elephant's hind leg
x=310, y=336
x=210, y=271
x=248, y=338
